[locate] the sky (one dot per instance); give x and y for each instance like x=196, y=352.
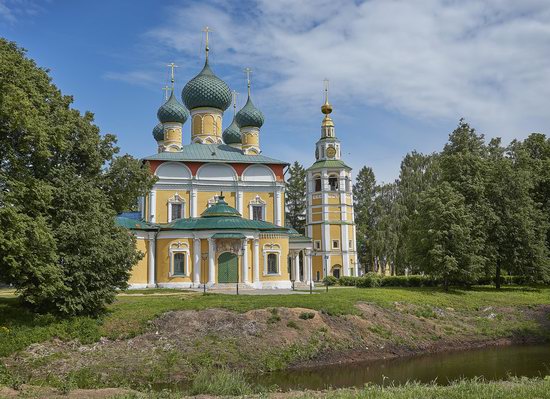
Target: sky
x=402, y=73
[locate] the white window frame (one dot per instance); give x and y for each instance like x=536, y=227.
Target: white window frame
x=317, y=245
x=176, y=199
x=179, y=247
x=337, y=245
x=258, y=201
x=272, y=249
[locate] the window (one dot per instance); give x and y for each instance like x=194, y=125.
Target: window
x=350, y=246
x=317, y=244
x=317, y=184
x=176, y=211
x=348, y=185
x=257, y=212
x=178, y=264
x=318, y=276
x=272, y=264
x=335, y=244
x=333, y=183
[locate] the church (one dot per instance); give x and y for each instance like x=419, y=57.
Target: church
x=216, y=214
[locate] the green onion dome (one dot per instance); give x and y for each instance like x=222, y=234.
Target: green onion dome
x=206, y=90
x=158, y=132
x=249, y=115
x=232, y=134
x=172, y=111
x=220, y=208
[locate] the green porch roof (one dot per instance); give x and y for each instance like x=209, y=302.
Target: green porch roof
x=335, y=163
x=212, y=153
x=228, y=235
x=133, y=224
x=222, y=223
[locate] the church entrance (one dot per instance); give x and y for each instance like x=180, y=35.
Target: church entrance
x=336, y=271
x=228, y=266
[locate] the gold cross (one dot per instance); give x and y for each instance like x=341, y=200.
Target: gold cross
x=325, y=82
x=207, y=30
x=248, y=71
x=166, y=89
x=172, y=66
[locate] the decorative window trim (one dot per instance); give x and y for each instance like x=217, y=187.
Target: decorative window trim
x=179, y=247
x=258, y=201
x=337, y=246
x=176, y=199
x=272, y=249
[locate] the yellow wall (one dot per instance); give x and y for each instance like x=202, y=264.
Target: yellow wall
x=269, y=206
x=162, y=204
x=163, y=261
x=139, y=272
x=317, y=266
x=283, y=259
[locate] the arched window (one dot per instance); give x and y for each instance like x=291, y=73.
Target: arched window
x=272, y=267
x=333, y=183
x=317, y=183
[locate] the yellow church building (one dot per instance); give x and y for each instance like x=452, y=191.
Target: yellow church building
x=216, y=214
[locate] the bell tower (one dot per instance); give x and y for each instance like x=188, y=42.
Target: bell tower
x=330, y=216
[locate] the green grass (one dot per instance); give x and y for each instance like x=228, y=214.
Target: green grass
x=128, y=316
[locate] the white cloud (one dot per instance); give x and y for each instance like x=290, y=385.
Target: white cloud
x=12, y=10
x=488, y=61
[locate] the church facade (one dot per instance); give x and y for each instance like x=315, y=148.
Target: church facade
x=216, y=214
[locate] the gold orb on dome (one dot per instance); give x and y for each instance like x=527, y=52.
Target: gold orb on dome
x=326, y=108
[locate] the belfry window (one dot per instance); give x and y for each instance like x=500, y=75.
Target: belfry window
x=317, y=184
x=272, y=267
x=333, y=183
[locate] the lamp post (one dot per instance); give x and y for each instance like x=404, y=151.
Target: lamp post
x=204, y=257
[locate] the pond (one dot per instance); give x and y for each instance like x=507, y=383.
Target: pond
x=490, y=363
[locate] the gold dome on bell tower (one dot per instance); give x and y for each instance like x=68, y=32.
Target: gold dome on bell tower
x=326, y=108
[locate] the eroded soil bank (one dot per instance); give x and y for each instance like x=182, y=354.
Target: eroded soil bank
x=178, y=344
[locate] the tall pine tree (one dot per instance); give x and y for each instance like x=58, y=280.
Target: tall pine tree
x=295, y=197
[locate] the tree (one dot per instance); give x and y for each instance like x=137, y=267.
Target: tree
x=59, y=245
x=364, y=193
x=516, y=234
x=295, y=197
x=441, y=242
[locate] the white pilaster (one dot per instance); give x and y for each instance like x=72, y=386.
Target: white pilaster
x=194, y=207
x=297, y=267
x=151, y=264
x=211, y=261
x=239, y=199
x=278, y=208
x=245, y=261
x=256, y=263
x=308, y=273
x=197, y=262
x=152, y=205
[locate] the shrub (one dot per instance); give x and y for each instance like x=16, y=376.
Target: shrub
x=348, y=281
x=292, y=324
x=330, y=280
x=369, y=280
x=306, y=315
x=274, y=318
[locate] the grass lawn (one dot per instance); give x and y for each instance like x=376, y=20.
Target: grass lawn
x=129, y=314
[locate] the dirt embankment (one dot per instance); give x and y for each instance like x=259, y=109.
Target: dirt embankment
x=178, y=343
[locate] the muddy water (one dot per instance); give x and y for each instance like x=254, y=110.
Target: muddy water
x=489, y=363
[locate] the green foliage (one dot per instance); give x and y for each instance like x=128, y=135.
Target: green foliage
x=274, y=317
x=59, y=244
x=220, y=382
x=295, y=197
x=293, y=324
x=306, y=315
x=364, y=193
x=330, y=280
x=369, y=280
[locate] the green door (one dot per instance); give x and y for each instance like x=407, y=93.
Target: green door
x=228, y=265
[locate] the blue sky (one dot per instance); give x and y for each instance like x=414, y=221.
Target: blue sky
x=401, y=73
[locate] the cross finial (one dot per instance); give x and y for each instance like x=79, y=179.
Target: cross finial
x=234, y=93
x=325, y=82
x=206, y=30
x=166, y=89
x=172, y=66
x=247, y=70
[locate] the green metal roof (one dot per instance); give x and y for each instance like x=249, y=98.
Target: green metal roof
x=335, y=163
x=133, y=224
x=228, y=235
x=249, y=115
x=222, y=223
x=294, y=236
x=212, y=153
x=206, y=90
